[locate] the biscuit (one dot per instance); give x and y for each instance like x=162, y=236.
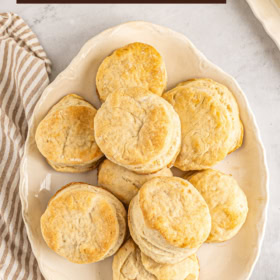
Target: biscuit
x=134, y=65
x=226, y=201
x=123, y=183
x=65, y=137
x=83, y=223
x=168, y=219
x=138, y=130
x=206, y=127
x=130, y=263
x=225, y=96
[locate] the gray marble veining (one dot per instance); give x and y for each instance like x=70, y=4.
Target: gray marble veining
x=229, y=35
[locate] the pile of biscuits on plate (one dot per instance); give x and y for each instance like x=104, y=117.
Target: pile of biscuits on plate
x=151, y=221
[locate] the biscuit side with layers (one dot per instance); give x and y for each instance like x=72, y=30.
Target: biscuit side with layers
x=168, y=219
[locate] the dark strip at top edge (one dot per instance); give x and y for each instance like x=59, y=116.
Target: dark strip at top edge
x=121, y=2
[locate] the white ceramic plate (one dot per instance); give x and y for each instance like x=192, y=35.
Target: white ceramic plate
x=232, y=260
x=268, y=13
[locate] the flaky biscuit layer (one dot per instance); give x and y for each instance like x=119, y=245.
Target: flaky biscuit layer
x=168, y=219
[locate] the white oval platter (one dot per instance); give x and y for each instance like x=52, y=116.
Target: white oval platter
x=268, y=13
x=232, y=260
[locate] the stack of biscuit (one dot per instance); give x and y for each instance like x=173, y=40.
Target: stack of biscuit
x=142, y=132
x=65, y=136
x=138, y=130
x=210, y=122
x=84, y=223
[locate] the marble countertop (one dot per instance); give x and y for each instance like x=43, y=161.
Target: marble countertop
x=229, y=35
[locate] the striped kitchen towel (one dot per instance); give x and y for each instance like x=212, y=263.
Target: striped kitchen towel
x=24, y=70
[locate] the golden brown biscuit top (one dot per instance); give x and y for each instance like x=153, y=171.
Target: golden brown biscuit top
x=215, y=89
x=66, y=134
x=174, y=208
x=133, y=126
x=206, y=128
x=80, y=224
x=226, y=98
x=226, y=201
x=134, y=65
